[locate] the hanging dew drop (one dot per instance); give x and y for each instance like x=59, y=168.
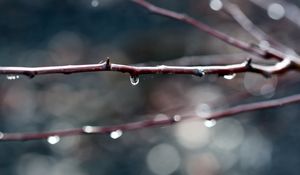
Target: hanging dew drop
x=53, y=140
x=12, y=77
x=134, y=80
x=229, y=76
x=116, y=134
x=210, y=123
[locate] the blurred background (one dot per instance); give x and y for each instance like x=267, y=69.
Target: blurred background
x=52, y=32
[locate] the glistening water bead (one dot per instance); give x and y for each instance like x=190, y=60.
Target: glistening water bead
x=134, y=80
x=210, y=123
x=229, y=76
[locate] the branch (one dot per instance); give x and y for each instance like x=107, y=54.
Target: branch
x=135, y=71
x=236, y=13
x=87, y=130
x=253, y=49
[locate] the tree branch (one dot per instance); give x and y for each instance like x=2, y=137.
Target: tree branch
x=87, y=130
x=253, y=49
x=246, y=66
x=236, y=13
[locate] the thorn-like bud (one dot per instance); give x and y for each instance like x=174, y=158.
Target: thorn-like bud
x=107, y=64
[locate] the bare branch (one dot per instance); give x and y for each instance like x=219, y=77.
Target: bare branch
x=246, y=66
x=262, y=52
x=236, y=13
x=87, y=130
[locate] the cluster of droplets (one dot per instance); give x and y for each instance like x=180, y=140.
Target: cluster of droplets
x=12, y=77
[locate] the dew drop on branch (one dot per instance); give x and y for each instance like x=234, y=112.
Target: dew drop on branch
x=53, y=140
x=116, y=134
x=177, y=118
x=229, y=76
x=134, y=80
x=12, y=77
x=210, y=123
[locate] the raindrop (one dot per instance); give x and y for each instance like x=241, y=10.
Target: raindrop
x=89, y=129
x=177, y=118
x=210, y=123
x=12, y=77
x=229, y=76
x=276, y=11
x=134, y=80
x=53, y=140
x=216, y=5
x=94, y=3
x=116, y=134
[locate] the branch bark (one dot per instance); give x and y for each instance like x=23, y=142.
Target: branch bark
x=246, y=66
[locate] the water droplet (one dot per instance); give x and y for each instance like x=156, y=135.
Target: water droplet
x=12, y=77
x=116, y=134
x=94, y=3
x=229, y=76
x=276, y=11
x=134, y=80
x=177, y=118
x=216, y=5
x=210, y=123
x=53, y=140
x=89, y=129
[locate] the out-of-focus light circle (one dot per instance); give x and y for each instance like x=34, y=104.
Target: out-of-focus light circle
x=192, y=134
x=260, y=86
x=94, y=3
x=203, y=110
x=228, y=134
x=163, y=159
x=204, y=163
x=216, y=5
x=261, y=150
x=276, y=11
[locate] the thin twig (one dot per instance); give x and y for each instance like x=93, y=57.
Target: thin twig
x=253, y=49
x=237, y=14
x=87, y=130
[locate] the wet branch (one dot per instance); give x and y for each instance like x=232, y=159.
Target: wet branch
x=87, y=130
x=246, y=66
x=269, y=53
